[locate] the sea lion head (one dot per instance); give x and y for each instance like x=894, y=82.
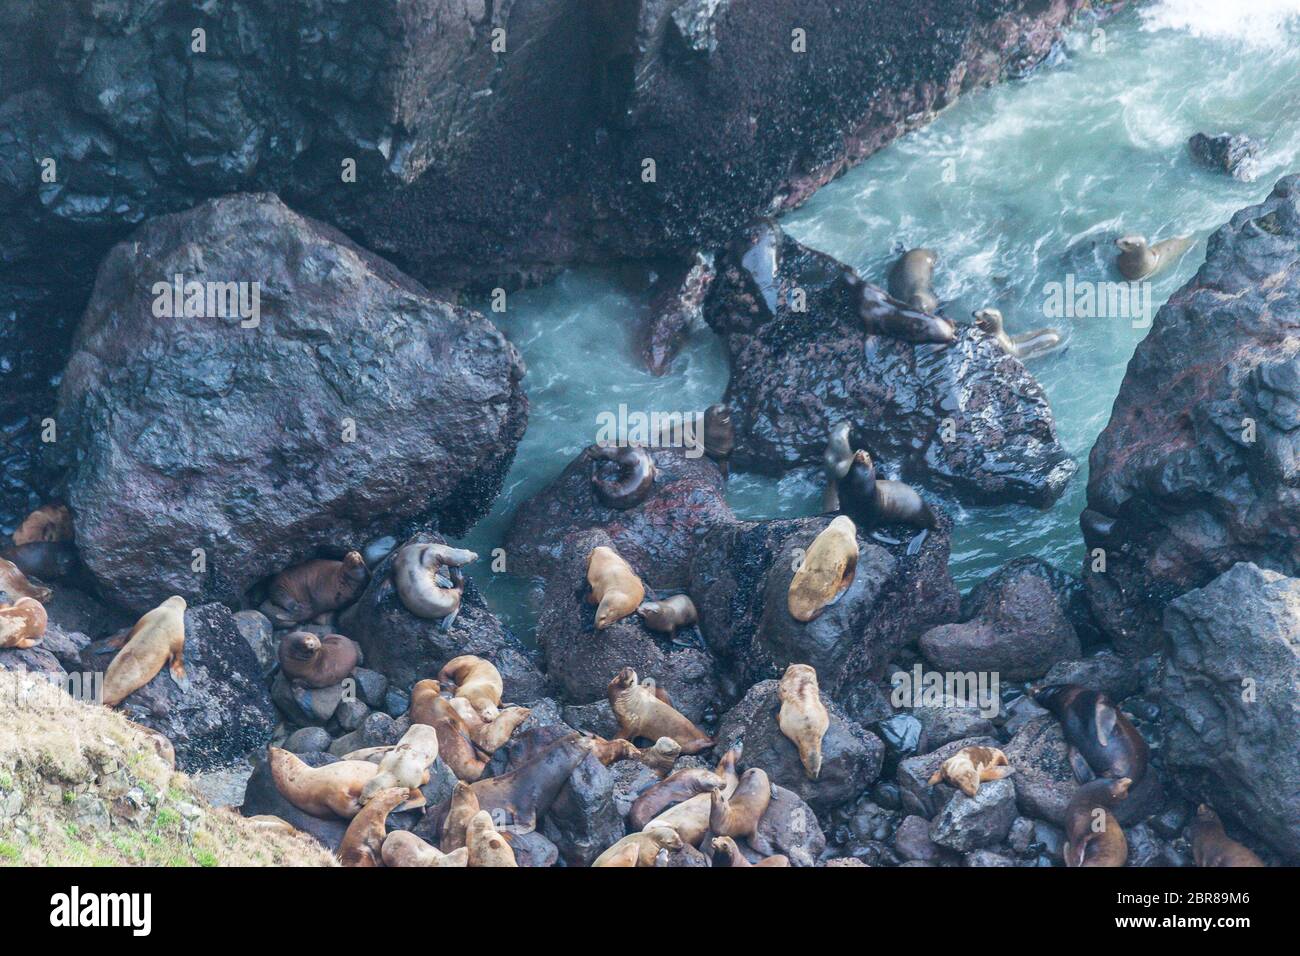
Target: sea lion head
x=175, y=602
x=301, y=645
x=1052, y=696
x=1131, y=243
x=717, y=416
x=354, y=565
x=1119, y=789
x=990, y=320
x=665, y=837
x=623, y=680
x=860, y=457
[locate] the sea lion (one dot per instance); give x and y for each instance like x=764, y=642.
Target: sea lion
x=971, y=766
x=1211, y=846
x=309, y=660
x=489, y=735
x=1031, y=345
x=677, y=787
x=911, y=280
x=642, y=714
x=826, y=572
x=612, y=751
x=662, y=756
x=157, y=638
x=14, y=583
x=333, y=790
x=22, y=624
x=872, y=501
x=486, y=846
x=299, y=593
x=462, y=809
x=416, y=577
x=668, y=614
x=406, y=766
x=46, y=523
x=48, y=560
x=1103, y=741
x=1137, y=260
x=641, y=847
x=739, y=814
x=803, y=717
x=1093, y=837
x=886, y=316
x=690, y=818
x=836, y=460
x=476, y=680
x=363, y=842
x=636, y=475
x=727, y=853
x=719, y=436
x=455, y=745
x=615, y=589
x=403, y=848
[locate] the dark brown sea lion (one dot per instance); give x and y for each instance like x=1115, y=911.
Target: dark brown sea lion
x=313, y=661
x=156, y=639
x=911, y=280
x=46, y=523
x=14, y=583
x=641, y=713
x=719, y=436
x=883, y=315
x=22, y=624
x=739, y=814
x=364, y=840
x=417, y=573
x=1093, y=837
x=1211, y=846
x=872, y=501
x=314, y=587
x=1103, y=741
x=727, y=853
x=636, y=475
x=49, y=560
x=1031, y=345
x=667, y=615
x=677, y=787
x=1137, y=260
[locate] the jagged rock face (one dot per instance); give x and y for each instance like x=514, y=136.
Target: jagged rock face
x=357, y=402
x=1228, y=689
x=797, y=370
x=1200, y=464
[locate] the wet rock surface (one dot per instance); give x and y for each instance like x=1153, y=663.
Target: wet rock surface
x=1234, y=154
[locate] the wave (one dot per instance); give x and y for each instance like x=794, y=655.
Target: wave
x=1263, y=24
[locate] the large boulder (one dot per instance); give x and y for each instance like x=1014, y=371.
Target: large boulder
x=1228, y=690
x=1199, y=467
x=356, y=402
x=966, y=417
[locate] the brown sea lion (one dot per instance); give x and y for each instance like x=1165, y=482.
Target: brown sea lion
x=1137, y=260
x=486, y=846
x=489, y=735
x=627, y=855
x=22, y=624
x=1093, y=837
x=157, y=638
x=314, y=587
x=803, y=717
x=884, y=315
x=738, y=815
x=46, y=523
x=615, y=587
x=333, y=790
x=872, y=501
x=49, y=560
x=402, y=848
x=406, y=766
x=667, y=615
x=642, y=714
x=14, y=583
x=364, y=840
x=463, y=807
x=690, y=818
x=1211, y=846
x=636, y=475
x=1103, y=741
x=911, y=280
x=971, y=766
x=640, y=848
x=662, y=756
x=1030, y=345
x=417, y=572
x=313, y=661
x=826, y=572
x=476, y=680
x=719, y=436
x=455, y=745
x=727, y=853
x=677, y=787
x=612, y=751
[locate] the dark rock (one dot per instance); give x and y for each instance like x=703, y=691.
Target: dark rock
x=350, y=714
x=31, y=660
x=262, y=797
x=255, y=628
x=1237, y=155
x=912, y=841
x=306, y=706
x=970, y=823
x=789, y=826
x=1117, y=677
x=532, y=849
x=914, y=774
x=396, y=702
x=983, y=858
x=676, y=306
x=687, y=856
x=308, y=740
x=77, y=612
x=1044, y=781
x=66, y=647
x=1173, y=819
x=377, y=730
x=584, y=820
x=950, y=721
x=372, y=686
x=595, y=718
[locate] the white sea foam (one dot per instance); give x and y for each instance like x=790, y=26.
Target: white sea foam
x=1264, y=24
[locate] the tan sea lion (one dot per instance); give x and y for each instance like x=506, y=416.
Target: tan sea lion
x=1093, y=837
x=971, y=766
x=476, y=680
x=911, y=280
x=486, y=846
x=406, y=766
x=333, y=790
x=1211, y=846
x=417, y=571
x=157, y=638
x=1103, y=741
x=300, y=593
x=886, y=316
x=719, y=436
x=662, y=756
x=872, y=501
x=690, y=818
x=489, y=735
x=402, y=848
x=363, y=842
x=803, y=717
x=46, y=523
x=627, y=855
x=14, y=583
x=1030, y=345
x=636, y=475
x=642, y=714
x=677, y=787
x=669, y=614
x=615, y=588
x=463, y=807
x=313, y=661
x=1137, y=260
x=612, y=751
x=641, y=847
x=738, y=815
x=727, y=853
x=455, y=745
x=22, y=624
x=827, y=570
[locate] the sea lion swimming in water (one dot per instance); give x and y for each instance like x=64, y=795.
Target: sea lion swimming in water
x=615, y=588
x=1211, y=846
x=415, y=573
x=1137, y=260
x=300, y=593
x=1103, y=741
x=971, y=766
x=1031, y=345
x=803, y=717
x=872, y=501
x=668, y=614
x=1093, y=837
x=883, y=315
x=911, y=280
x=313, y=661
x=157, y=638
x=22, y=624
x=641, y=713
x=826, y=571
x=636, y=475
x=719, y=436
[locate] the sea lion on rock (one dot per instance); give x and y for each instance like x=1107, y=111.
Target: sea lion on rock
x=363, y=842
x=157, y=638
x=641, y=713
x=1137, y=260
x=1031, y=345
x=803, y=717
x=727, y=853
x=636, y=475
x=719, y=436
x=886, y=316
x=615, y=588
x=1103, y=741
x=1093, y=837
x=641, y=847
x=476, y=680
x=486, y=846
x=401, y=848
x=313, y=661
x=1211, y=846
x=416, y=577
x=455, y=745
x=332, y=790
x=612, y=751
x=300, y=593
x=690, y=818
x=971, y=766
x=738, y=815
x=826, y=571
x=911, y=280
x=662, y=756
x=46, y=523
x=872, y=501
x=22, y=624
x=455, y=823
x=669, y=614
x=676, y=788
x=14, y=583
x=489, y=735
x=49, y=560
x=406, y=766
x=524, y=794
x=623, y=856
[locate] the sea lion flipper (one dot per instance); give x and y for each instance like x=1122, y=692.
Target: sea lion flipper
x=445, y=624
x=1105, y=718
x=996, y=773
x=1082, y=771
x=914, y=546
